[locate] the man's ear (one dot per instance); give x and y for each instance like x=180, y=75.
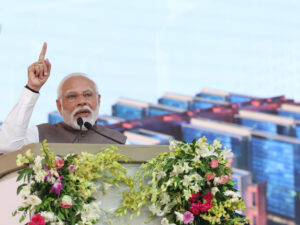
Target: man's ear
x=59, y=106
x=99, y=99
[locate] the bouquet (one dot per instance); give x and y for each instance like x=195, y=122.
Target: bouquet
x=62, y=190
x=190, y=184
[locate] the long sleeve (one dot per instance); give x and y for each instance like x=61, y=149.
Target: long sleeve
x=15, y=132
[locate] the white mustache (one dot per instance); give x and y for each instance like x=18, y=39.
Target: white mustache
x=81, y=108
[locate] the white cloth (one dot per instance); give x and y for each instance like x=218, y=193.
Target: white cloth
x=15, y=132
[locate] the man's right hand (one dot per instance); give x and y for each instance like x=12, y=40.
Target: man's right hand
x=39, y=71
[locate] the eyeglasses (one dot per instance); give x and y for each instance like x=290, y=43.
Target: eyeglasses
x=73, y=96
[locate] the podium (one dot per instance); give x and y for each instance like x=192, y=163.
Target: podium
x=9, y=201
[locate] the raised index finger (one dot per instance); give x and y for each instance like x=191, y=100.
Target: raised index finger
x=43, y=53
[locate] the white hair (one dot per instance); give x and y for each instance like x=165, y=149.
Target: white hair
x=59, y=89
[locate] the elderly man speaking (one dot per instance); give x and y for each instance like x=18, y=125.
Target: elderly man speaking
x=77, y=101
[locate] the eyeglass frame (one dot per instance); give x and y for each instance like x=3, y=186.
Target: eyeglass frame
x=68, y=100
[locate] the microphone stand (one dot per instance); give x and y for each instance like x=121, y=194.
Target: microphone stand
x=80, y=123
x=90, y=127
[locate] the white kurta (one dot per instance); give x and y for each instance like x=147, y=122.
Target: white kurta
x=15, y=132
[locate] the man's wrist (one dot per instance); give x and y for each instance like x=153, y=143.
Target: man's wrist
x=31, y=89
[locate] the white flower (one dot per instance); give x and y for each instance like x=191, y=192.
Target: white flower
x=38, y=160
x=26, y=191
x=214, y=190
x=34, y=200
x=216, y=180
x=39, y=176
x=169, y=182
x=196, y=159
x=235, y=196
x=186, y=180
x=161, y=174
x=25, y=203
x=187, y=194
x=51, y=179
x=48, y=216
x=179, y=216
x=165, y=198
x=176, y=171
x=195, y=188
x=204, y=152
x=172, y=144
x=197, y=177
x=234, y=199
x=165, y=221
x=227, y=154
x=186, y=167
x=90, y=213
x=217, y=144
x=229, y=193
x=156, y=210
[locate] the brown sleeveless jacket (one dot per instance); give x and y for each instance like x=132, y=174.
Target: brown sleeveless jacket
x=62, y=133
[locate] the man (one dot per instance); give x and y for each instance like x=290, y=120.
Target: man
x=77, y=97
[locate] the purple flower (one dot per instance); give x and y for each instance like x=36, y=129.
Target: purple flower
x=57, y=186
x=72, y=168
x=48, y=175
x=46, y=168
x=188, y=218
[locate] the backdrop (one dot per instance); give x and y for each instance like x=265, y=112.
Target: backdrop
x=141, y=49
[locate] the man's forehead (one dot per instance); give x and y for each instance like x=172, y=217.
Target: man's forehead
x=78, y=90
x=78, y=83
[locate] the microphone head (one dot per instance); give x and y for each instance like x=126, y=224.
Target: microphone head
x=88, y=125
x=80, y=121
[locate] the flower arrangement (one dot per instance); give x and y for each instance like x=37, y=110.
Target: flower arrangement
x=190, y=184
x=62, y=190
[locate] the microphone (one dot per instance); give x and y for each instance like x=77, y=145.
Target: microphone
x=80, y=123
x=90, y=127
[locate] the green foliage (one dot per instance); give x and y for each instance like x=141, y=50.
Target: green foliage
x=64, y=187
x=166, y=183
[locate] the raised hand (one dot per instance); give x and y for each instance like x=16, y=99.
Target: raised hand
x=39, y=71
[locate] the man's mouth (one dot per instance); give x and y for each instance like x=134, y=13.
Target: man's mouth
x=82, y=113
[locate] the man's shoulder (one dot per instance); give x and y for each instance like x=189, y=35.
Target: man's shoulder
x=111, y=133
x=48, y=125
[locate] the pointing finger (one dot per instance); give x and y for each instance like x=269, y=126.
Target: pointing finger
x=43, y=52
x=48, y=64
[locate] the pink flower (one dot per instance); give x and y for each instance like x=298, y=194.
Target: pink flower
x=208, y=196
x=66, y=202
x=195, y=208
x=72, y=168
x=230, y=176
x=229, y=163
x=214, y=163
x=194, y=197
x=57, y=186
x=37, y=219
x=210, y=176
x=59, y=163
x=188, y=218
x=223, y=179
x=206, y=206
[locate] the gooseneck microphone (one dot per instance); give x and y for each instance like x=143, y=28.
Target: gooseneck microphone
x=80, y=123
x=89, y=126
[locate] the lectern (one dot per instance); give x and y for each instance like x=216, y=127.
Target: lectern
x=9, y=200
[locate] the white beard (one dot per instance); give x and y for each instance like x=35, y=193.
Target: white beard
x=70, y=120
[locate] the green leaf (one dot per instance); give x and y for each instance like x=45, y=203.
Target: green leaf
x=20, y=188
x=20, y=176
x=21, y=219
x=15, y=213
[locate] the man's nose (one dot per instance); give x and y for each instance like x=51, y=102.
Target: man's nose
x=81, y=100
